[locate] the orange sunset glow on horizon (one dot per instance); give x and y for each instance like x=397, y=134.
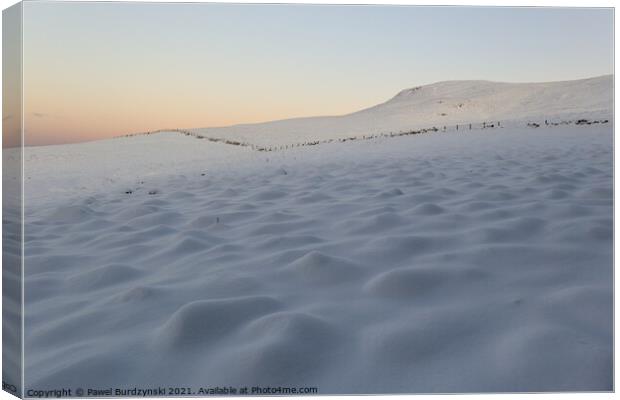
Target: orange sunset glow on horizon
x=99, y=70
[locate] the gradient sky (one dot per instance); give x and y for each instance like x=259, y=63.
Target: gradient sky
x=95, y=70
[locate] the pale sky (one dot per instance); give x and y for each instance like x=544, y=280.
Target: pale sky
x=96, y=70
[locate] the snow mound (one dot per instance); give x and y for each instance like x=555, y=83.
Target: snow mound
x=318, y=268
x=202, y=322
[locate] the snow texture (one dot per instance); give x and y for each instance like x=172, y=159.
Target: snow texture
x=467, y=261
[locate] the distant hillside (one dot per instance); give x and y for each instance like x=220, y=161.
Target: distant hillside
x=443, y=103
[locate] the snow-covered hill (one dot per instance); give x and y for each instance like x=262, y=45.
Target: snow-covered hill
x=478, y=261
x=441, y=104
x=121, y=162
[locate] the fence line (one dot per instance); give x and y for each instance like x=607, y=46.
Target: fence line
x=391, y=134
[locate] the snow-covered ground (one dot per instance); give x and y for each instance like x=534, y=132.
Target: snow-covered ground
x=441, y=104
x=442, y=262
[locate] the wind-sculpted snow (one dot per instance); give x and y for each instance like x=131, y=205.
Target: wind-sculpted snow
x=477, y=261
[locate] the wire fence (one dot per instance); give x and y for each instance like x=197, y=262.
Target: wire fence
x=391, y=134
